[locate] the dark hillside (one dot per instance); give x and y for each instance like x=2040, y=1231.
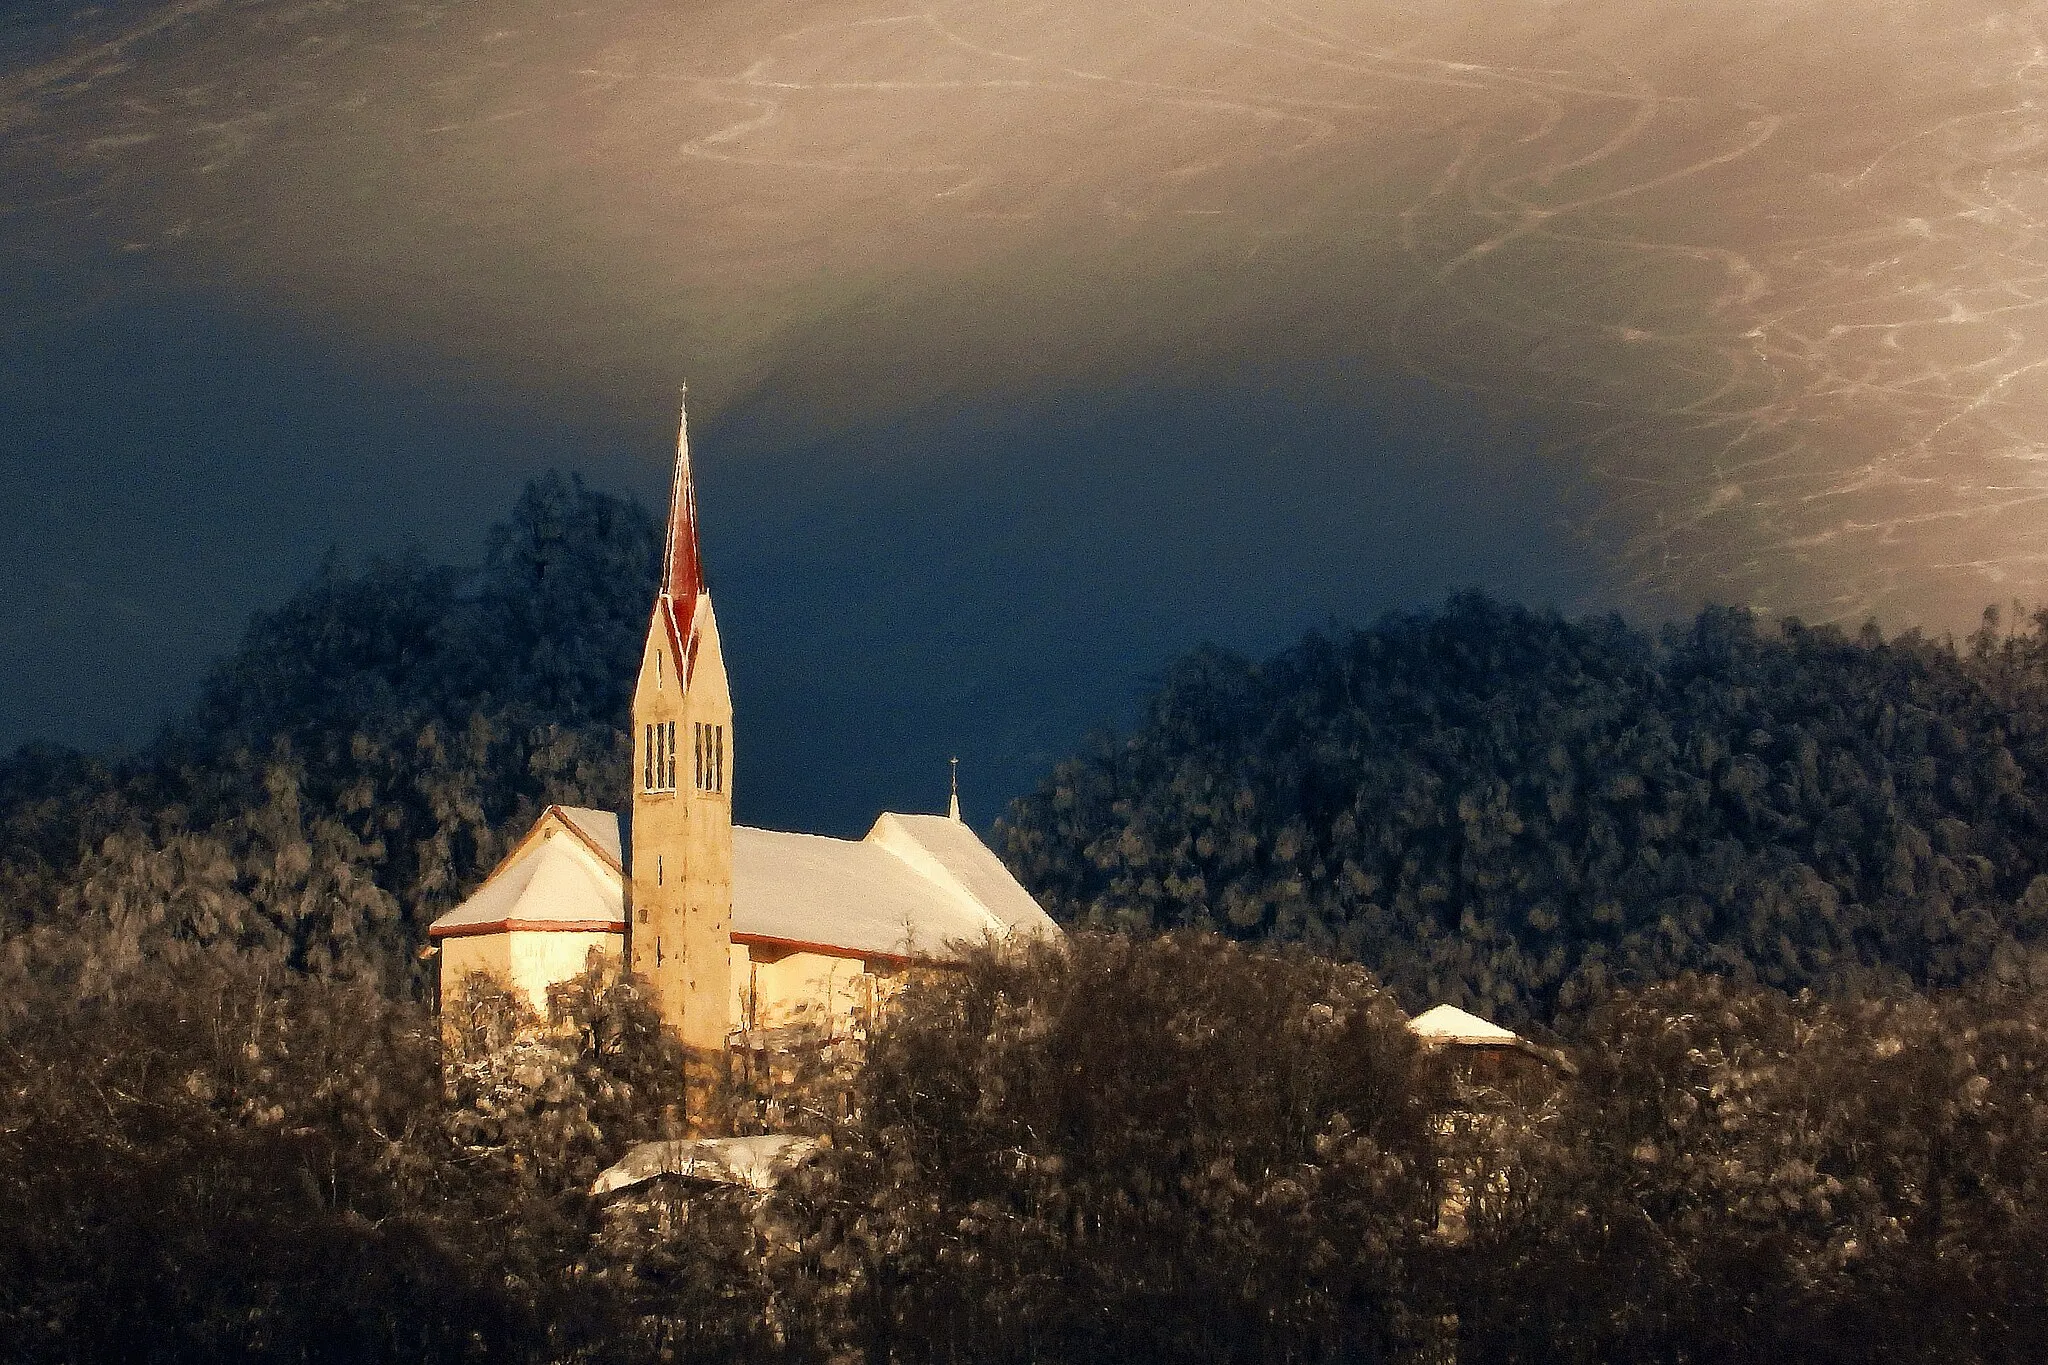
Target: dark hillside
x=360, y=760
x=1498, y=807
x=1485, y=804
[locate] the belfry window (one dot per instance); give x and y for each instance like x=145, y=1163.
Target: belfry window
x=709, y=743
x=658, y=757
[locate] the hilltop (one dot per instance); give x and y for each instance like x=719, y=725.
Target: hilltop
x=1508, y=810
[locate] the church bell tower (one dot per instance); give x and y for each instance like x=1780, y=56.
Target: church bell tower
x=680, y=918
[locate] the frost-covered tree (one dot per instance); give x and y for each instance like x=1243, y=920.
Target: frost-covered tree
x=1166, y=1149
x=1737, y=1175
x=1503, y=809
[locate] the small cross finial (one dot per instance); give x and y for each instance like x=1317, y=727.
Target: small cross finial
x=954, y=809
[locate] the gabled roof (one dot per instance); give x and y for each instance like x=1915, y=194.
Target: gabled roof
x=560, y=877
x=598, y=828
x=913, y=888
x=1448, y=1024
x=948, y=852
x=848, y=896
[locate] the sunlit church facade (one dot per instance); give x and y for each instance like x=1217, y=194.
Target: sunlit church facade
x=735, y=929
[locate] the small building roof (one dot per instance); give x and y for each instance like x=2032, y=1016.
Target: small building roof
x=1448, y=1024
x=755, y=1163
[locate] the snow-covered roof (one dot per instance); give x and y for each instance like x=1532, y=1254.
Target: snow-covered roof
x=1448, y=1024
x=554, y=879
x=947, y=852
x=915, y=886
x=852, y=895
x=755, y=1163
x=600, y=827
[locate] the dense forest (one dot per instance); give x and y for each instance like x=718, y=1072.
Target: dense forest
x=355, y=767
x=1504, y=809
x=1774, y=895
x=1174, y=1149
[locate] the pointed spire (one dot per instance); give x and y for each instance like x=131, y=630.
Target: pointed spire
x=954, y=809
x=681, y=574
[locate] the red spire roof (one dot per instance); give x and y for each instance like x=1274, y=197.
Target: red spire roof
x=682, y=574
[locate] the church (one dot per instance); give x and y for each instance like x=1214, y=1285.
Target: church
x=733, y=928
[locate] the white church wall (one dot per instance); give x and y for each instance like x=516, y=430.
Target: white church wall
x=777, y=987
x=539, y=959
x=524, y=962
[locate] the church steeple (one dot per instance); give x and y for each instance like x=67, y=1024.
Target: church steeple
x=679, y=937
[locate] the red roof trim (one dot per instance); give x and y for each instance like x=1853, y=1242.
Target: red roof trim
x=824, y=949
x=598, y=926
x=531, y=926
